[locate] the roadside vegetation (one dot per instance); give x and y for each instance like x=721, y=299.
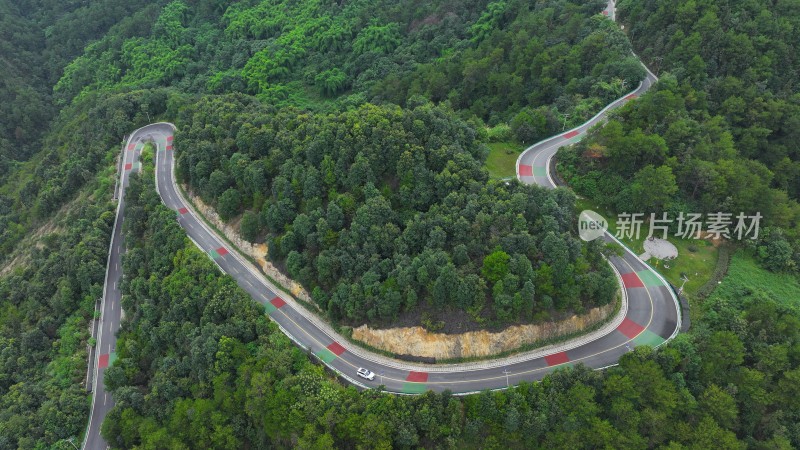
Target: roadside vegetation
x=697, y=258
x=225, y=377
x=276, y=103
x=746, y=278
x=392, y=221
x=500, y=62
x=718, y=132
x=48, y=302
x=38, y=38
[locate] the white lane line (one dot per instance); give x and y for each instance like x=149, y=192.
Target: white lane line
x=112, y=306
x=105, y=398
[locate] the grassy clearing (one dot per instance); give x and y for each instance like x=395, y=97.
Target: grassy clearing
x=502, y=160
x=746, y=278
x=697, y=258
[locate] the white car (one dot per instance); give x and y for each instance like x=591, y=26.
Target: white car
x=364, y=373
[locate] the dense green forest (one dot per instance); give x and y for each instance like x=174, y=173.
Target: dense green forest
x=56, y=216
x=45, y=156
x=85, y=138
x=348, y=136
x=48, y=300
x=201, y=366
x=719, y=132
x=319, y=206
x=499, y=61
x=38, y=38
x=383, y=211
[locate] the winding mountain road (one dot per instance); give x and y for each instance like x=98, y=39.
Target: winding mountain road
x=649, y=314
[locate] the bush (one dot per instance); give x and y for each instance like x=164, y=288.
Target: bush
x=499, y=133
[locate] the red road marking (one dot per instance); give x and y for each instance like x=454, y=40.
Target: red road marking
x=556, y=359
x=169, y=138
x=630, y=328
x=336, y=348
x=571, y=134
x=222, y=251
x=417, y=377
x=131, y=146
x=128, y=166
x=525, y=170
x=277, y=302
x=631, y=280
x=630, y=97
x=169, y=147
x=103, y=363
x=183, y=210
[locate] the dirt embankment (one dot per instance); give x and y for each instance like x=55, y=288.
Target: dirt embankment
x=419, y=342
x=256, y=251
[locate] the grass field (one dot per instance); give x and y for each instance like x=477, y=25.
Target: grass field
x=746, y=278
x=502, y=160
x=698, y=265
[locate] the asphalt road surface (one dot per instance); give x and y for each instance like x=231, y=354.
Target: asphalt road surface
x=651, y=315
x=110, y=306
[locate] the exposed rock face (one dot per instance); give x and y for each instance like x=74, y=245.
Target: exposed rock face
x=417, y=341
x=256, y=251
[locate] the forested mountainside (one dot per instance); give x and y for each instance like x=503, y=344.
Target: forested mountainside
x=259, y=88
x=383, y=212
x=492, y=60
x=721, y=129
x=54, y=243
x=525, y=63
x=37, y=39
x=201, y=366
x=84, y=139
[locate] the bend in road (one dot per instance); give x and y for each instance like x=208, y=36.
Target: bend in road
x=110, y=305
x=650, y=314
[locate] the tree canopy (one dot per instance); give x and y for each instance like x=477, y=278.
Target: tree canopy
x=722, y=121
x=385, y=212
x=200, y=365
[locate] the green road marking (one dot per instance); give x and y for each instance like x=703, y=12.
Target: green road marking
x=213, y=254
x=565, y=365
x=649, y=278
x=539, y=171
x=325, y=355
x=414, y=388
x=270, y=308
x=111, y=358
x=647, y=337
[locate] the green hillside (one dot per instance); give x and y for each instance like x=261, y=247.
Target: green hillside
x=353, y=138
